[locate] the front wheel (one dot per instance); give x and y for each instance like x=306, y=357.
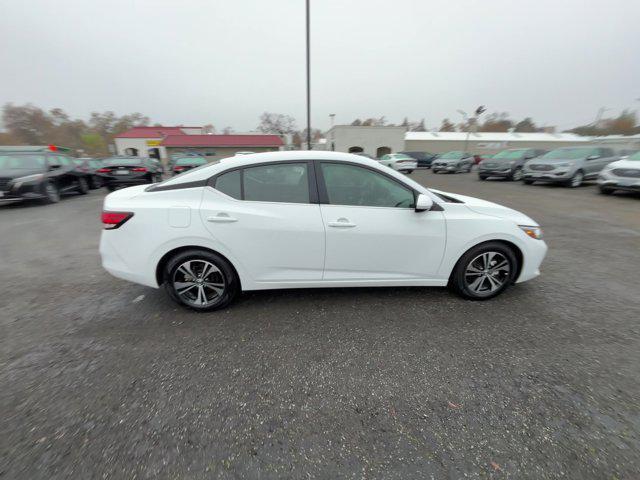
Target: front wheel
x=201, y=280
x=516, y=176
x=83, y=186
x=408, y=172
x=606, y=191
x=528, y=182
x=484, y=271
x=482, y=177
x=576, y=180
x=51, y=193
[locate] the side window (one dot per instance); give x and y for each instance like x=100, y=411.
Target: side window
x=352, y=185
x=229, y=184
x=66, y=161
x=54, y=161
x=288, y=182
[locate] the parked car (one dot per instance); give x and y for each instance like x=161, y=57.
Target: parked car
x=302, y=219
x=424, y=159
x=90, y=166
x=187, y=163
x=126, y=171
x=507, y=163
x=453, y=162
x=39, y=175
x=621, y=175
x=569, y=166
x=399, y=161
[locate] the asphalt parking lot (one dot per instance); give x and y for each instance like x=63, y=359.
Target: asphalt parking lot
x=102, y=378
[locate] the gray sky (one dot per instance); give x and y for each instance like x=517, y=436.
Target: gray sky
x=225, y=62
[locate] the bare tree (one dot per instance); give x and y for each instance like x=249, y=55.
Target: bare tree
x=447, y=126
x=276, y=123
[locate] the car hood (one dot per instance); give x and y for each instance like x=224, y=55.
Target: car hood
x=447, y=160
x=16, y=173
x=552, y=161
x=492, y=209
x=624, y=164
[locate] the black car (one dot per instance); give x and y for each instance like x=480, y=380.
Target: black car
x=507, y=163
x=183, y=164
x=39, y=175
x=424, y=159
x=90, y=166
x=126, y=171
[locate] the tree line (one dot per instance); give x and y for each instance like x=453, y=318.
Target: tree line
x=31, y=125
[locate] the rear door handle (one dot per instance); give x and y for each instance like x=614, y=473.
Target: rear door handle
x=342, y=223
x=222, y=218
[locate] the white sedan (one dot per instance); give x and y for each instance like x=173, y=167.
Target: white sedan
x=310, y=219
x=399, y=161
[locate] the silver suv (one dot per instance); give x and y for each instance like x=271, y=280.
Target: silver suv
x=569, y=166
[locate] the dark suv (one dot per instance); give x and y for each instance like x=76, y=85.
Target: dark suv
x=126, y=171
x=39, y=174
x=508, y=163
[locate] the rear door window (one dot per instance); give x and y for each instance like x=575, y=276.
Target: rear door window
x=287, y=182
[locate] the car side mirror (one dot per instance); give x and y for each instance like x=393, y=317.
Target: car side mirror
x=593, y=157
x=423, y=203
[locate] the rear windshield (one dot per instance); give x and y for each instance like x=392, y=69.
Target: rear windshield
x=510, y=154
x=122, y=161
x=191, y=161
x=21, y=162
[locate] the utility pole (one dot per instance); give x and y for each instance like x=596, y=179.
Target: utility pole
x=308, y=81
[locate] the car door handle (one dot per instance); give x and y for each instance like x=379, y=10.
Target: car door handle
x=222, y=218
x=342, y=223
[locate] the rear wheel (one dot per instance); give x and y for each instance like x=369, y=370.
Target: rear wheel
x=111, y=188
x=606, y=191
x=96, y=182
x=484, y=271
x=83, y=186
x=408, y=172
x=201, y=280
x=482, y=177
x=51, y=193
x=528, y=182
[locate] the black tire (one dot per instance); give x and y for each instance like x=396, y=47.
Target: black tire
x=111, y=188
x=224, y=274
x=409, y=172
x=527, y=182
x=95, y=182
x=51, y=193
x=576, y=180
x=83, y=186
x=482, y=177
x=605, y=190
x=462, y=282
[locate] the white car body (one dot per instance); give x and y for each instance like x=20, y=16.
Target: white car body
x=399, y=162
x=276, y=245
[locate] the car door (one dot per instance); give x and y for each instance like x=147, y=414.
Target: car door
x=373, y=230
x=268, y=218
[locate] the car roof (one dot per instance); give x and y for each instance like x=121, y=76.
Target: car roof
x=209, y=170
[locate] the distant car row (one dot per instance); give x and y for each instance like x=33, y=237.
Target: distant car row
x=569, y=166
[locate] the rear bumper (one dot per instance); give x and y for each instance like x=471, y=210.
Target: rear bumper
x=113, y=263
x=126, y=181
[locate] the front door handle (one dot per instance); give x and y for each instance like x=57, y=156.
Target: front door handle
x=342, y=223
x=222, y=218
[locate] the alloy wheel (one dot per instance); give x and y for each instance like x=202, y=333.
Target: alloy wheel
x=487, y=273
x=51, y=192
x=199, y=283
x=576, y=180
x=517, y=175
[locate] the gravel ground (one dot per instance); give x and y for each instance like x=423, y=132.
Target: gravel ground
x=102, y=378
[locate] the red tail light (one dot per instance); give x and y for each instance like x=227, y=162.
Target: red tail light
x=178, y=169
x=111, y=220
x=139, y=169
x=103, y=170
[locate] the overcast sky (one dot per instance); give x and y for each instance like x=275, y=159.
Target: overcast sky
x=225, y=62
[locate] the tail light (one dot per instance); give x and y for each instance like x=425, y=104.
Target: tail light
x=178, y=169
x=103, y=170
x=112, y=220
x=139, y=169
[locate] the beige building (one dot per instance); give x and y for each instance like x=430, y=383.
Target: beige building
x=375, y=141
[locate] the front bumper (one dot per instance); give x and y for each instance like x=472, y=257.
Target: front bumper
x=532, y=259
x=128, y=181
x=405, y=167
x=629, y=184
x=548, y=176
x=24, y=192
x=496, y=173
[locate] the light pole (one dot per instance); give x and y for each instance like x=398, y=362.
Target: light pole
x=308, y=82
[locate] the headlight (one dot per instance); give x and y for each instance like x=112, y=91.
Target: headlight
x=533, y=232
x=17, y=182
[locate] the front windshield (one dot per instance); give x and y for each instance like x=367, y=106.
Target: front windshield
x=452, y=155
x=635, y=156
x=21, y=162
x=191, y=161
x=509, y=154
x=569, y=153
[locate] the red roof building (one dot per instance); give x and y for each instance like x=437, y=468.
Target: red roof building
x=245, y=141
